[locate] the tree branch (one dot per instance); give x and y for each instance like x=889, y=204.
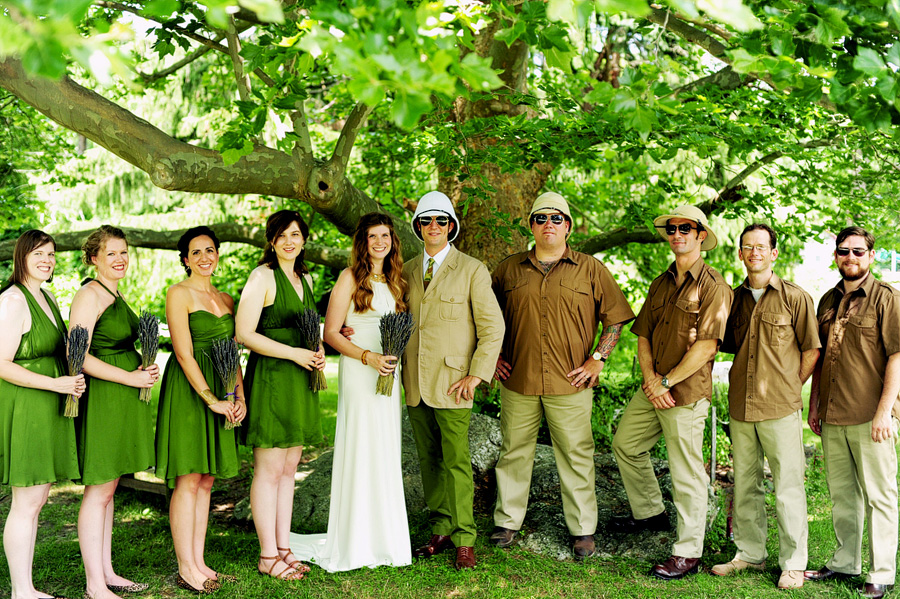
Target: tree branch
x=303, y=149
x=168, y=240
x=725, y=79
x=237, y=63
x=350, y=130
x=162, y=74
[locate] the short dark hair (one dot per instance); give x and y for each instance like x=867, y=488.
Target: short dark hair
x=185, y=240
x=275, y=226
x=773, y=238
x=859, y=231
x=25, y=244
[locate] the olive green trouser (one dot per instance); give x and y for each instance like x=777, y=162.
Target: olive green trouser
x=639, y=429
x=862, y=481
x=569, y=421
x=442, y=441
x=781, y=440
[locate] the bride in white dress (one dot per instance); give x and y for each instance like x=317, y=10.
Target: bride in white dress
x=367, y=524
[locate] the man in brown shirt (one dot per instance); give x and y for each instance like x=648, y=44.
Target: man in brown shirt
x=679, y=329
x=853, y=405
x=553, y=300
x=773, y=333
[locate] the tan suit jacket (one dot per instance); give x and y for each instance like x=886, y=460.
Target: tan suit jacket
x=459, y=329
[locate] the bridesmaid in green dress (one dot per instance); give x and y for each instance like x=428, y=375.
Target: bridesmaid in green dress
x=115, y=428
x=37, y=443
x=193, y=446
x=283, y=412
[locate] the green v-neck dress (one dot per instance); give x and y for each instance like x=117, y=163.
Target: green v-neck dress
x=281, y=410
x=37, y=442
x=191, y=438
x=115, y=428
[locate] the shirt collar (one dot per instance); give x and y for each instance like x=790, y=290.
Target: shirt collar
x=438, y=258
x=568, y=255
x=865, y=288
x=695, y=270
x=774, y=282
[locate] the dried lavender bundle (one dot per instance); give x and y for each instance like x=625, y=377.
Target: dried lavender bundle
x=396, y=329
x=308, y=323
x=226, y=357
x=148, y=334
x=76, y=350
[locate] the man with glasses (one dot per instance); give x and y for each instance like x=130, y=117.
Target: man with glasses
x=772, y=331
x=679, y=329
x=853, y=406
x=553, y=300
x=459, y=329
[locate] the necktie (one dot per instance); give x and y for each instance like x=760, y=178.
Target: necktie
x=429, y=273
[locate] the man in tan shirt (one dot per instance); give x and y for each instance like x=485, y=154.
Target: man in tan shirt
x=773, y=333
x=553, y=300
x=853, y=405
x=679, y=329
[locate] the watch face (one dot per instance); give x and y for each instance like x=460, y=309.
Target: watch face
x=596, y=355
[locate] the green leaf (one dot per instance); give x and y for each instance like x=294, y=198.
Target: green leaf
x=45, y=58
x=642, y=121
x=232, y=155
x=366, y=91
x=267, y=10
x=868, y=61
x=637, y=8
x=161, y=8
x=560, y=60
x=407, y=109
x=832, y=25
x=563, y=10
x=742, y=61
x=893, y=54
x=74, y=10
x=886, y=86
x=478, y=73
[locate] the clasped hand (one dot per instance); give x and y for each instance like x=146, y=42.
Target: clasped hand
x=659, y=396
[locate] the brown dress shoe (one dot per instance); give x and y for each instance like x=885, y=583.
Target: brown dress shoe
x=437, y=544
x=826, y=573
x=465, y=558
x=676, y=567
x=583, y=546
x=874, y=590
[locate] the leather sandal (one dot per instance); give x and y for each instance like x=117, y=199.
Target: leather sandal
x=296, y=564
x=288, y=573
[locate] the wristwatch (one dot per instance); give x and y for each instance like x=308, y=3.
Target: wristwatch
x=598, y=356
x=665, y=382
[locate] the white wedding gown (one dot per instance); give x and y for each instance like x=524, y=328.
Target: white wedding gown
x=367, y=524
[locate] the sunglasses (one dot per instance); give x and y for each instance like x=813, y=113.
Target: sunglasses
x=858, y=252
x=683, y=228
x=541, y=219
x=442, y=221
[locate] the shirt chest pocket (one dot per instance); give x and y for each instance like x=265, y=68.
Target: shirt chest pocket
x=687, y=313
x=452, y=306
x=575, y=293
x=774, y=329
x=863, y=328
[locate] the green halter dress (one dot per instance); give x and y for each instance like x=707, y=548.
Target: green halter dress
x=191, y=438
x=37, y=443
x=115, y=428
x=281, y=410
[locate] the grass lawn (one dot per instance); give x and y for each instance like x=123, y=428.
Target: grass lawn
x=142, y=550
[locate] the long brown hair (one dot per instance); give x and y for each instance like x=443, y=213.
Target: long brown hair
x=25, y=244
x=361, y=263
x=275, y=226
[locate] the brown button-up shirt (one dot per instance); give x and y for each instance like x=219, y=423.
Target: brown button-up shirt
x=673, y=318
x=859, y=331
x=552, y=319
x=767, y=338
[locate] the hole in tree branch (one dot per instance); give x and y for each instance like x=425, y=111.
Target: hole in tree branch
x=323, y=186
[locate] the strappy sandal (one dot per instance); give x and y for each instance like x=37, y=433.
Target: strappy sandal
x=289, y=573
x=296, y=564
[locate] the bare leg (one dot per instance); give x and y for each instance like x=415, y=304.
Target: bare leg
x=269, y=465
x=182, y=519
x=108, y=572
x=201, y=521
x=284, y=509
x=19, y=537
x=92, y=533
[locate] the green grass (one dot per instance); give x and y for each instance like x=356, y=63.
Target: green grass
x=142, y=550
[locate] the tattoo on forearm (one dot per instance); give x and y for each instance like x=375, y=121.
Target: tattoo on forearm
x=609, y=338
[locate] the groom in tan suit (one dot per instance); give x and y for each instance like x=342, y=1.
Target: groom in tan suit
x=459, y=329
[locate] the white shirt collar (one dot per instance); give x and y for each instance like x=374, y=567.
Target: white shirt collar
x=438, y=259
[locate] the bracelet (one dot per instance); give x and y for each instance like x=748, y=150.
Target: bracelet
x=362, y=358
x=208, y=397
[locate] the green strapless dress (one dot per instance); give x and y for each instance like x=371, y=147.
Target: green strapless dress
x=115, y=428
x=37, y=443
x=281, y=410
x=191, y=438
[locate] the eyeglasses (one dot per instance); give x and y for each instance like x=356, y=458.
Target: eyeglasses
x=442, y=221
x=683, y=228
x=754, y=248
x=858, y=252
x=541, y=219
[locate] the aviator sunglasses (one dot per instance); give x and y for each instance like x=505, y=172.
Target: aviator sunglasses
x=541, y=219
x=858, y=252
x=442, y=221
x=683, y=228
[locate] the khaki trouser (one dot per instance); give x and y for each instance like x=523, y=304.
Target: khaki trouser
x=781, y=441
x=862, y=479
x=638, y=431
x=569, y=421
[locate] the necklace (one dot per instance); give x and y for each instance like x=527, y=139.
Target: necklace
x=378, y=278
